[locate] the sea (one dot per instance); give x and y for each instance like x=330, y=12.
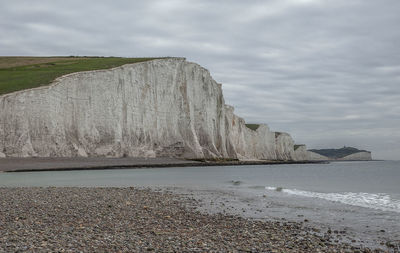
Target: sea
x=359, y=197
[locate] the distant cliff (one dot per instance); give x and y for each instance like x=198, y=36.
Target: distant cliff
x=164, y=107
x=345, y=153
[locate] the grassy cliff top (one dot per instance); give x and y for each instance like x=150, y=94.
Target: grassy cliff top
x=296, y=146
x=337, y=153
x=19, y=73
x=253, y=127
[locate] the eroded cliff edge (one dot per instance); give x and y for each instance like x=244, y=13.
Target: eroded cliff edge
x=164, y=107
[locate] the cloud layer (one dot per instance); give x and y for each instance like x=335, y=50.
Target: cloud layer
x=328, y=72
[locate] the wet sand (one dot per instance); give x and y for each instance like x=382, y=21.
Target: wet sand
x=137, y=220
x=11, y=164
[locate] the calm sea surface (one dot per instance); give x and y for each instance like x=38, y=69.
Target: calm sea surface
x=373, y=184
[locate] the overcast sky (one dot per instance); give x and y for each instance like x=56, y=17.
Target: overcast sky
x=327, y=72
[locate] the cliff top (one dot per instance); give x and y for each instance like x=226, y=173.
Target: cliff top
x=296, y=146
x=19, y=73
x=337, y=153
x=253, y=127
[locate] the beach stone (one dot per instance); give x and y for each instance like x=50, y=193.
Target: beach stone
x=98, y=219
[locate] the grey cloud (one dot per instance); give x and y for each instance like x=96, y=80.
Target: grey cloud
x=328, y=72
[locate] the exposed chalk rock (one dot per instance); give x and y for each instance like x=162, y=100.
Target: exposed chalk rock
x=360, y=156
x=341, y=154
x=316, y=157
x=164, y=107
x=301, y=153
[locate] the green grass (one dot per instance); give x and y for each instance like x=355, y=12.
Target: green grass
x=296, y=146
x=34, y=75
x=253, y=127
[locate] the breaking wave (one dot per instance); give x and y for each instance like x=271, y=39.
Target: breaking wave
x=380, y=201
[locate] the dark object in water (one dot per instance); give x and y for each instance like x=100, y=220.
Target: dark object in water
x=236, y=182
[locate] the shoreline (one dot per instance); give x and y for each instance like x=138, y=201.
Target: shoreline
x=133, y=219
x=316, y=215
x=12, y=164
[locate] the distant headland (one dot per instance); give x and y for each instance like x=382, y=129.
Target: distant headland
x=343, y=154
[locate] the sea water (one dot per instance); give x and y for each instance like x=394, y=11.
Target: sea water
x=372, y=184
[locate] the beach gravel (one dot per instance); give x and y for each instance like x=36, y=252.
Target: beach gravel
x=139, y=220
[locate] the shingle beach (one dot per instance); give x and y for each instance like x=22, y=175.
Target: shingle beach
x=138, y=220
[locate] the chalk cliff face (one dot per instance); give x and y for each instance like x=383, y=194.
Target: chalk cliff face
x=301, y=153
x=317, y=157
x=360, y=156
x=165, y=107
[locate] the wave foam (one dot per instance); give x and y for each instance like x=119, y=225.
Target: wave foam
x=380, y=201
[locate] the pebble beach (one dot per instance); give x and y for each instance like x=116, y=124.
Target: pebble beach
x=129, y=219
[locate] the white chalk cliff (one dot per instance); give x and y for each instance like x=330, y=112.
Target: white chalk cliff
x=317, y=157
x=359, y=156
x=164, y=107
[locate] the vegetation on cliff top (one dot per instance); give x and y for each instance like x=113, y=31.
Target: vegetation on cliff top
x=19, y=73
x=253, y=127
x=298, y=146
x=337, y=153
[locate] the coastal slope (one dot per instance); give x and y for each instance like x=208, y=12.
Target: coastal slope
x=359, y=156
x=162, y=107
x=341, y=154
